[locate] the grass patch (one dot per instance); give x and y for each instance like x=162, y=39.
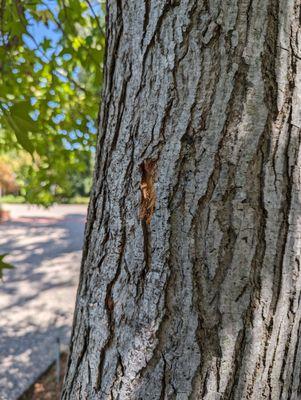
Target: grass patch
x=77, y=200
x=10, y=199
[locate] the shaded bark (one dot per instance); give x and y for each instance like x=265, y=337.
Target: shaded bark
x=199, y=296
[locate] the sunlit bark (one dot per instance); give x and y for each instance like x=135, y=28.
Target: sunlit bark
x=190, y=285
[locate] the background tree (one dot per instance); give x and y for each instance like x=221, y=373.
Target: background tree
x=50, y=81
x=8, y=182
x=199, y=297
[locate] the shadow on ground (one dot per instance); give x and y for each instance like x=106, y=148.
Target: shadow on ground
x=31, y=242
x=37, y=355
x=36, y=297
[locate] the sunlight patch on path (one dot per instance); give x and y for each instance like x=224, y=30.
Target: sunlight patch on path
x=37, y=297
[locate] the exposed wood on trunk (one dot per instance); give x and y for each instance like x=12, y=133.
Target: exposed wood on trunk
x=199, y=299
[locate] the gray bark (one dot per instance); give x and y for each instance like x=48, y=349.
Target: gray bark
x=190, y=285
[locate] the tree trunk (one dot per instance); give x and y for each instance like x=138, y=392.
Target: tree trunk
x=190, y=284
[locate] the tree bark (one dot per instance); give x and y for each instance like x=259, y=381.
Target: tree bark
x=190, y=284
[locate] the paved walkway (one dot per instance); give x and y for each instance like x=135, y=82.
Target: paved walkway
x=37, y=297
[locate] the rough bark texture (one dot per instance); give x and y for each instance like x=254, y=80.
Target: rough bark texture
x=201, y=118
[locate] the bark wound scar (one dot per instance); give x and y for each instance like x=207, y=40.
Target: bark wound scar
x=148, y=193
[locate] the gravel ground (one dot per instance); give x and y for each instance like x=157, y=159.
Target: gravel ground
x=37, y=297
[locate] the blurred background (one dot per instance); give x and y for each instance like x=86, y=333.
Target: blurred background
x=51, y=74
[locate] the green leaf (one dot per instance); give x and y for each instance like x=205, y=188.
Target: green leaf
x=46, y=44
x=89, y=40
x=43, y=15
x=4, y=265
x=18, y=118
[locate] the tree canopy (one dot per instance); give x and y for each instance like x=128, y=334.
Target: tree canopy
x=50, y=79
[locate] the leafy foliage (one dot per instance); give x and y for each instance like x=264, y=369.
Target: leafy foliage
x=4, y=265
x=51, y=56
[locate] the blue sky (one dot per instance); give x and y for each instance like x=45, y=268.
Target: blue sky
x=40, y=31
